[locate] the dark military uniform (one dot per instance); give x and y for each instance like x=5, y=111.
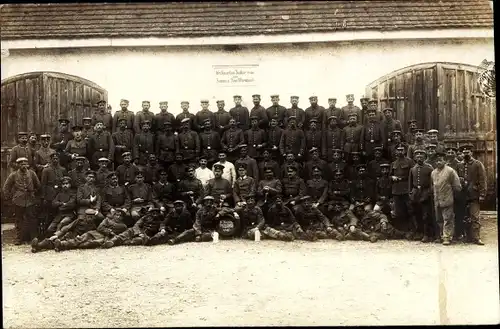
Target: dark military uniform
x=315, y=224
x=164, y=194
x=105, y=118
x=392, y=150
x=51, y=181
x=413, y=147
x=101, y=146
x=314, y=112
x=176, y=222
x=401, y=169
x=293, y=189
x=140, y=118
x=260, y=112
x=231, y=141
x=143, y=191
x=115, y=197
x=334, y=166
x=42, y=158
x=362, y=190
x=183, y=115
x=374, y=168
x=314, y=138
x=251, y=219
x=221, y=119
x=83, y=202
x=308, y=168
x=275, y=190
x=160, y=119
x=254, y=138
x=166, y=147
x=292, y=141
x=243, y=187
x=217, y=187
x=241, y=115
x=281, y=224
x=332, y=139
x=336, y=112
x=273, y=165
x=421, y=198
x=190, y=184
x=273, y=140
x=126, y=174
x=145, y=231
x=203, y=115
x=318, y=190
x=372, y=135
x=210, y=145
x=277, y=112
x=77, y=177
x=351, y=109
x=101, y=178
x=129, y=118
x=65, y=203
x=297, y=112
x=295, y=164
x=390, y=125
x=152, y=173
x=78, y=148
x=20, y=151
x=251, y=166
x=352, y=140
x=143, y=146
x=124, y=142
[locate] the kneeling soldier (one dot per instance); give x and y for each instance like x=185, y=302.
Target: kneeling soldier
x=281, y=223
x=315, y=224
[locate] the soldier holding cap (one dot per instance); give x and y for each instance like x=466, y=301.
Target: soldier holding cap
x=333, y=110
x=259, y=111
x=418, y=144
x=100, y=145
x=88, y=197
x=372, y=135
x=185, y=114
x=127, y=171
x=219, y=187
x=143, y=115
x=204, y=115
x=87, y=127
x=352, y=133
x=42, y=156
x=221, y=118
x=314, y=135
x=350, y=108
x=317, y=188
x=21, y=188
x=114, y=196
x=314, y=111
x=400, y=171
x=102, y=115
x=255, y=138
x=244, y=184
x=210, y=143
x=123, y=140
x=240, y=114
x=189, y=142
x=143, y=144
x=126, y=114
x=276, y=110
x=161, y=118
x=292, y=139
x=21, y=150
x=295, y=111
x=231, y=140
x=64, y=205
x=409, y=137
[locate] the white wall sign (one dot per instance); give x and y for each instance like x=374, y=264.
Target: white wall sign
x=236, y=75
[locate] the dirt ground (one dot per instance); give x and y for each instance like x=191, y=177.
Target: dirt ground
x=236, y=283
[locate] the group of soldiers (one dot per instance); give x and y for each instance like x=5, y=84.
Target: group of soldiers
x=144, y=178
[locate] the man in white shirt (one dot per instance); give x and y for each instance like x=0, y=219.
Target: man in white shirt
x=203, y=173
x=229, y=171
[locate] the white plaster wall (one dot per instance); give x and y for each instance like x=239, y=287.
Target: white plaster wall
x=186, y=73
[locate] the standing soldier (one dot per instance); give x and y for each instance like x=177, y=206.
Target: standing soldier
x=334, y=111
x=126, y=114
x=210, y=143
x=259, y=111
x=60, y=140
x=102, y=115
x=333, y=138
x=315, y=161
x=87, y=128
x=373, y=106
x=244, y=185
x=433, y=139
x=142, y=116
x=185, y=114
x=100, y=145
x=177, y=170
x=221, y=117
x=101, y=175
x=203, y=115
x=374, y=169
x=189, y=142
x=161, y=118
x=317, y=189
x=314, y=136
x=400, y=172
x=252, y=169
x=268, y=162
x=390, y=125
x=21, y=188
x=33, y=143
x=42, y=156
x=351, y=168
x=352, y=134
x=143, y=143
x=123, y=141
x=314, y=111
x=410, y=135
x=294, y=187
x=292, y=139
x=421, y=197
x=51, y=181
x=232, y=139
x=127, y=170
x=77, y=175
x=336, y=164
x=383, y=190
x=114, y=196
x=295, y=111
x=431, y=155
x=396, y=140
x=418, y=144
x=276, y=110
x=167, y=145
x=255, y=137
x=78, y=146
x=473, y=177
x=274, y=137
x=372, y=135
x=350, y=108
x=459, y=203
x=240, y=113
x=444, y=182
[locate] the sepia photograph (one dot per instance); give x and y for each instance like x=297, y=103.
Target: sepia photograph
x=248, y=163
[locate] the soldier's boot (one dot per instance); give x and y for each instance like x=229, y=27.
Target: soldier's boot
x=349, y=236
x=321, y=235
x=362, y=235
x=90, y=244
x=289, y=236
x=335, y=234
x=136, y=241
x=45, y=244
x=374, y=238
x=34, y=245
x=115, y=241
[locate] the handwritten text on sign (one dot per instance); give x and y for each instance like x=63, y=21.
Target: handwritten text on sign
x=236, y=75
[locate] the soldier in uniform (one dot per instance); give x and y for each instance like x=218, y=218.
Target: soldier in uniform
x=294, y=187
x=418, y=144
x=127, y=170
x=141, y=196
x=240, y=114
x=114, y=196
x=152, y=170
x=219, y=187
x=351, y=172
x=164, y=192
x=203, y=115
x=390, y=124
x=229, y=171
x=50, y=181
x=42, y=155
x=292, y=140
x=266, y=162
x=373, y=106
x=126, y=114
x=459, y=203
x=161, y=118
x=252, y=169
x=364, y=102
x=65, y=205
x=315, y=161
x=210, y=143
x=433, y=139
x=317, y=189
x=268, y=189
x=123, y=140
x=255, y=138
x=232, y=139
x=334, y=111
x=313, y=136
x=395, y=142
x=451, y=158
x=177, y=170
x=409, y=137
x=362, y=189
x=190, y=189
x=352, y=135
x=100, y=145
x=314, y=111
x=400, y=171
x=77, y=175
x=21, y=189
x=144, y=115
x=87, y=128
x=372, y=135
x=167, y=145
x=33, y=143
x=88, y=199
x=221, y=117
x=374, y=226
x=473, y=180
x=313, y=222
x=290, y=162
x=281, y=223
x=244, y=184
x=350, y=108
x=431, y=155
x=60, y=140
x=143, y=143
x=78, y=146
x=274, y=137
x=185, y=114
x=276, y=110
x=101, y=180
x=338, y=193
x=260, y=112
x=252, y=218
x=333, y=138
x=21, y=150
x=421, y=197
x=337, y=163
x=374, y=165
x=102, y=115
x=295, y=111
x=176, y=221
x=383, y=190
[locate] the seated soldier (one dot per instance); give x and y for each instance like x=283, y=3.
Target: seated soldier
x=266, y=162
x=313, y=222
x=115, y=196
x=164, y=192
x=151, y=170
x=177, y=170
x=219, y=187
x=337, y=164
x=290, y=162
x=65, y=202
x=252, y=218
x=78, y=174
x=269, y=188
x=317, y=189
x=176, y=221
x=205, y=224
x=294, y=187
x=191, y=191
x=383, y=190
x=341, y=217
x=102, y=174
x=281, y=223
x=315, y=161
x=141, y=196
x=127, y=170
x=89, y=198
x=244, y=185
x=146, y=231
x=112, y=225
